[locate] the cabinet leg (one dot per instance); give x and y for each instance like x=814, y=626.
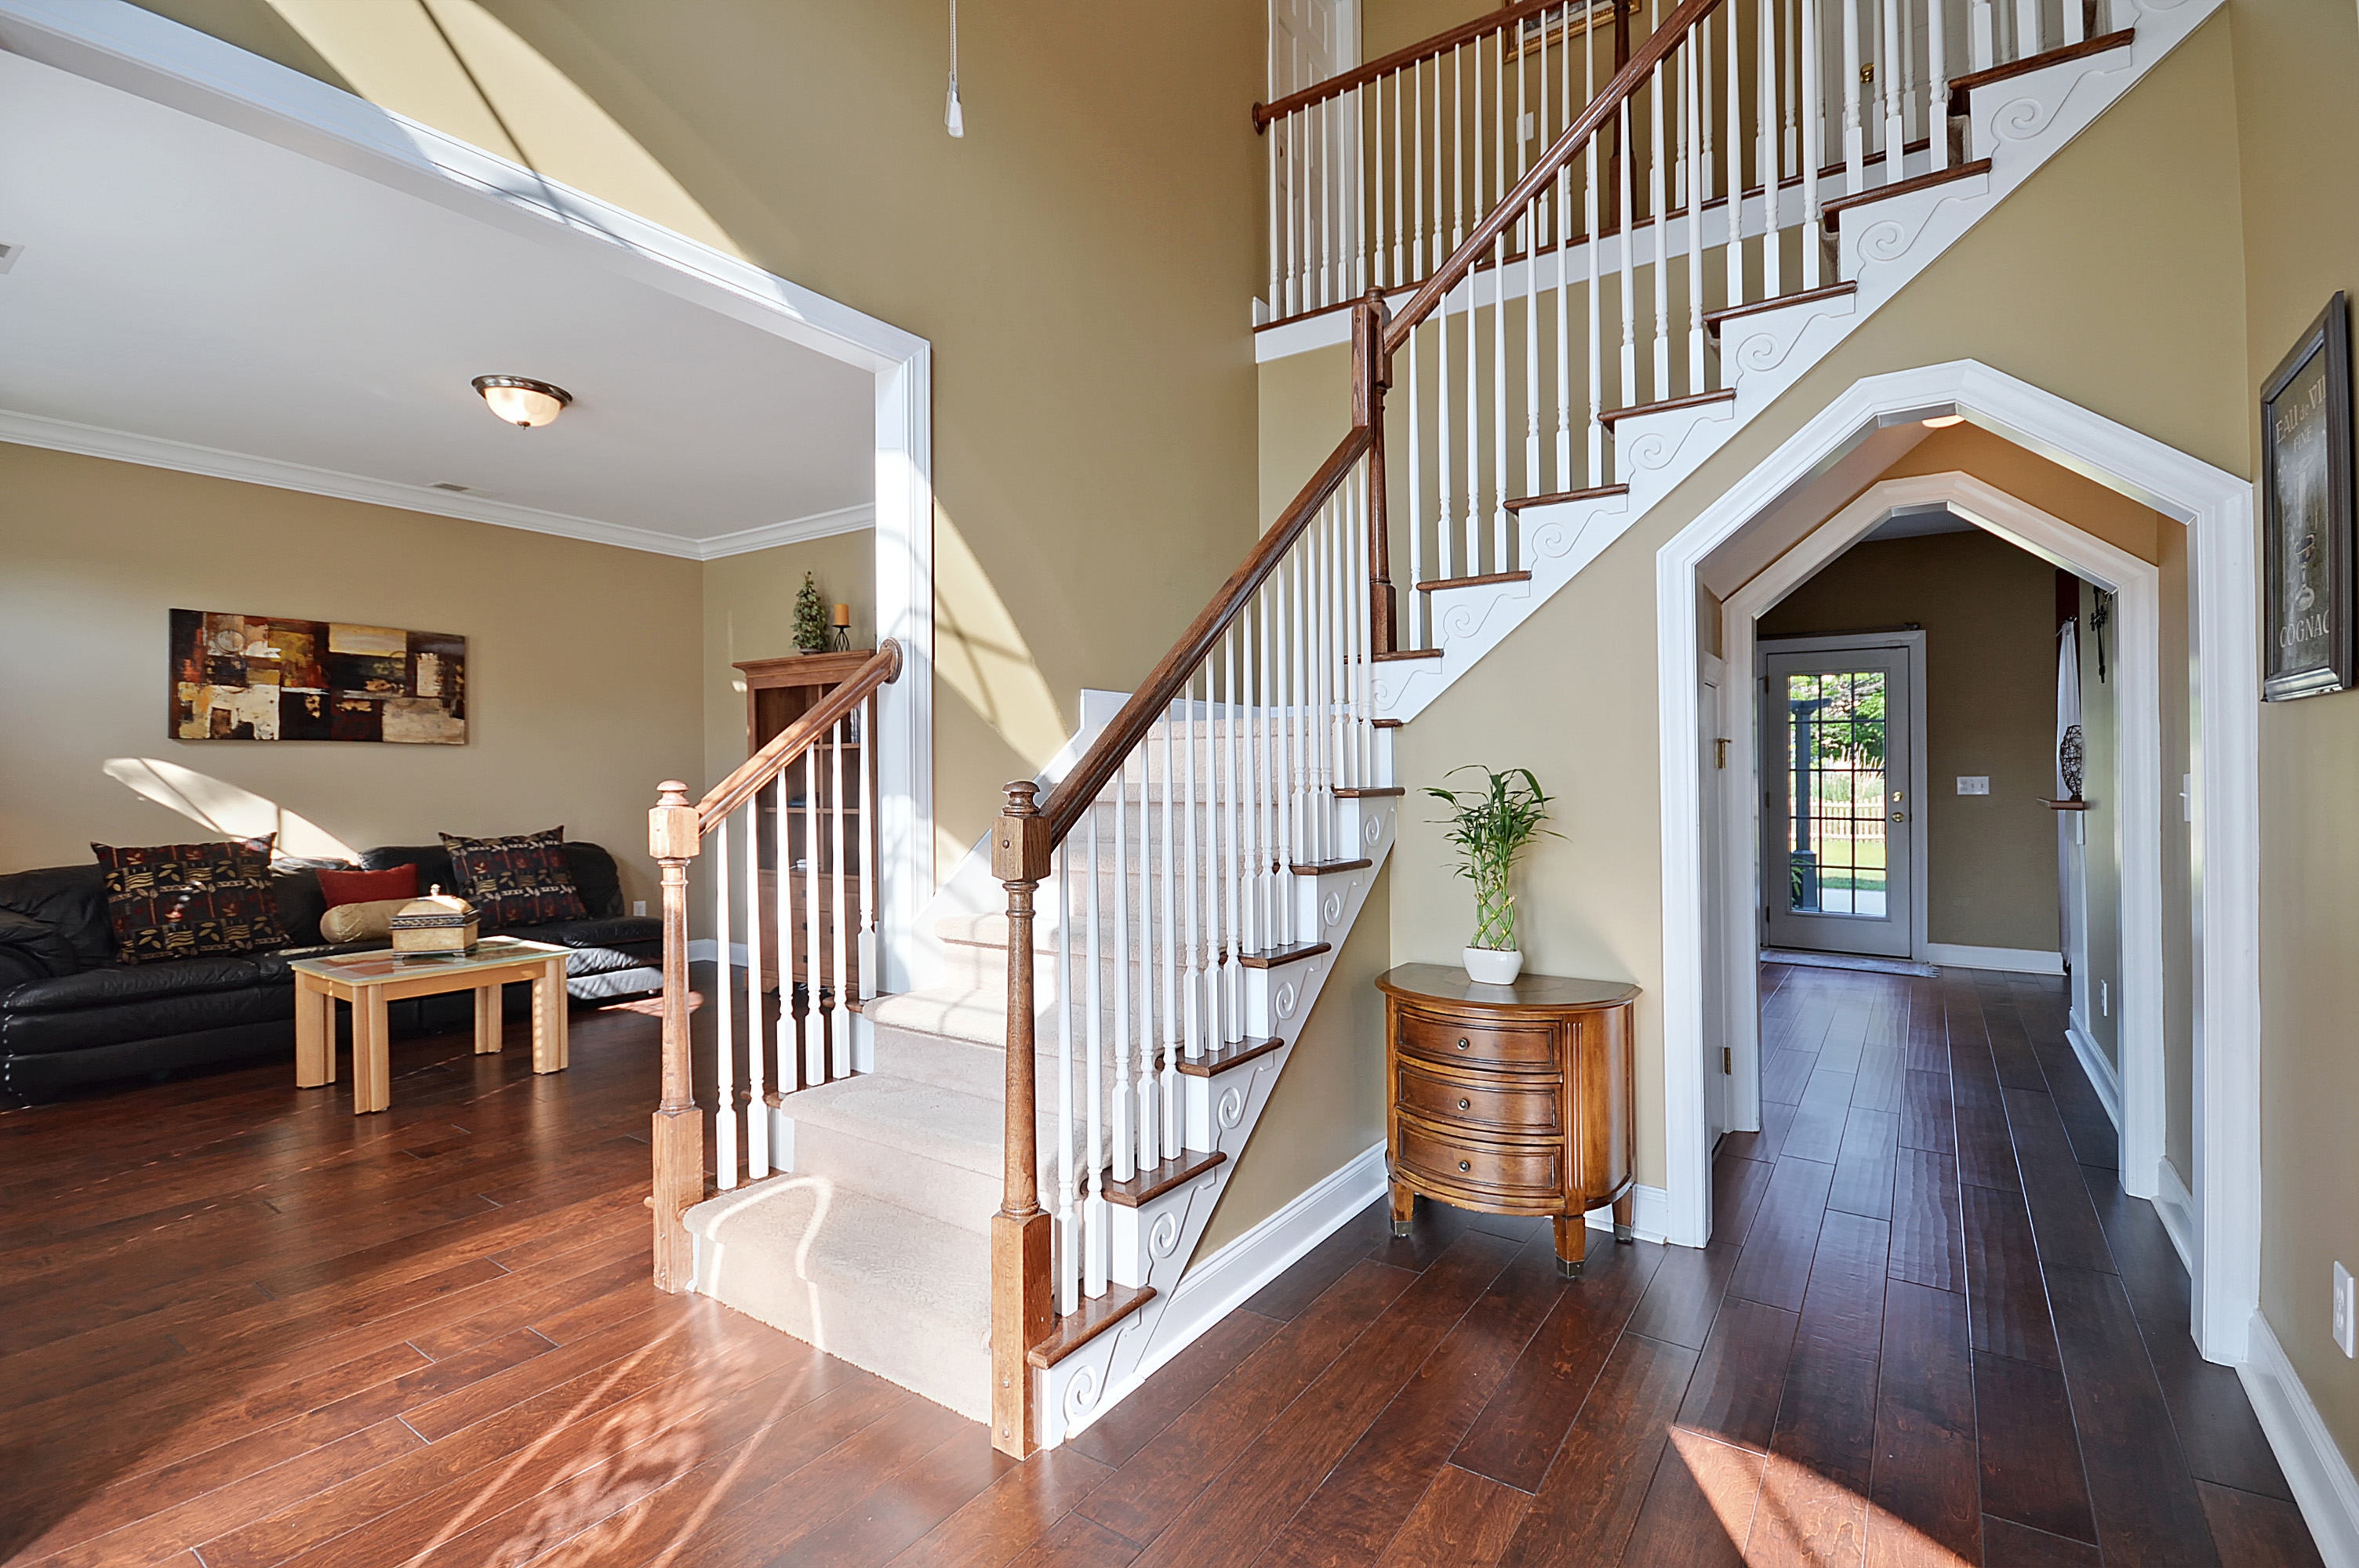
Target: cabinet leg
x=1571, y=1244
x=1403, y=1209
x=1624, y=1207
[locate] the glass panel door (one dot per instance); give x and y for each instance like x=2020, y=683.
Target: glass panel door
x=1835, y=731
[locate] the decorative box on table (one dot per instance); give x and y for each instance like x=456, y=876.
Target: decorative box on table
x=438, y=923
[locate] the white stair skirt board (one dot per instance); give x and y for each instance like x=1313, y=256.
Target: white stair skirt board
x=2176, y=1209
x=1846, y=961
x=2012, y=961
x=2313, y=1464
x=2099, y=1072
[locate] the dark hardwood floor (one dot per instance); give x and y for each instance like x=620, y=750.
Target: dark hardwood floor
x=239, y=1327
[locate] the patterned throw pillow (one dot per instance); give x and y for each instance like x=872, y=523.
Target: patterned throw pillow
x=519, y=880
x=181, y=900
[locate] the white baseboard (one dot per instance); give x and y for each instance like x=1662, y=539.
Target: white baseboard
x=1651, y=1214
x=2176, y=1206
x=705, y=950
x=1216, y=1285
x=2313, y=1464
x=2013, y=960
x=2099, y=1071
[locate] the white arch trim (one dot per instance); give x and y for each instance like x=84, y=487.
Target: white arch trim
x=139, y=52
x=2136, y=786
x=2217, y=508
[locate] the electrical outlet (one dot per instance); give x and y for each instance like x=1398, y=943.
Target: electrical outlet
x=2343, y=1333
x=1973, y=784
x=639, y=906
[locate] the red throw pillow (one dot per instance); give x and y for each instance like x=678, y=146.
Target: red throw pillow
x=368, y=887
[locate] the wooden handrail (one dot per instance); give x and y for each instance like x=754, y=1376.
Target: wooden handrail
x=882, y=668
x=1073, y=796
x=1562, y=151
x=1417, y=53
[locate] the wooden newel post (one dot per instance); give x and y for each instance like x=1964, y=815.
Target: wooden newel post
x=678, y=1135
x=1021, y=1304
x=1372, y=376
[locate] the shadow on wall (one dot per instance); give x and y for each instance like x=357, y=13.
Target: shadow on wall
x=225, y=808
x=450, y=64
x=979, y=654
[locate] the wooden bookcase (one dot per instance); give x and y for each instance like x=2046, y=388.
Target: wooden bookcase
x=778, y=692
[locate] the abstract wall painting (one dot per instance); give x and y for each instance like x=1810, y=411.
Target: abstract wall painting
x=262, y=677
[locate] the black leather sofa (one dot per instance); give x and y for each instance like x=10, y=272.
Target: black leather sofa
x=69, y=1015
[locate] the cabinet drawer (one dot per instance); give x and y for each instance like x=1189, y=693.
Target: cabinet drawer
x=1441, y=1039
x=1512, y=1106
x=1432, y=1155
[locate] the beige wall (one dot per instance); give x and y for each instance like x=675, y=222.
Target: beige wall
x=1328, y=1107
x=1988, y=611
x=1081, y=264
x=578, y=656
x=2039, y=290
x=749, y=614
x=2296, y=61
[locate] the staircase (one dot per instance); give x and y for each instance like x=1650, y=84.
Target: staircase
x=997, y=1209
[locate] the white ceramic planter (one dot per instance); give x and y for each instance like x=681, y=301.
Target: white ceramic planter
x=1488, y=966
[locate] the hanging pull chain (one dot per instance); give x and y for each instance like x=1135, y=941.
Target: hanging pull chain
x=952, y=117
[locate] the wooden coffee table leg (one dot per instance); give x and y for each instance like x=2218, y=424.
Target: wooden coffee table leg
x=487, y=1020
x=550, y=1048
x=1572, y=1243
x=315, y=1033
x=372, y=1070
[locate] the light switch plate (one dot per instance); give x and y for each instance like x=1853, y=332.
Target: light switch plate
x=1973, y=784
x=639, y=906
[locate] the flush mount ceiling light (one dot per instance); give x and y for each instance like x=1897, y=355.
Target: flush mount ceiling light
x=1938, y=422
x=521, y=401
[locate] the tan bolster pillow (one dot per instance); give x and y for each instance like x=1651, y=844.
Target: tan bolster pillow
x=362, y=921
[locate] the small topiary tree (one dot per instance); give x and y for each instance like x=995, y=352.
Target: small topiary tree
x=810, y=618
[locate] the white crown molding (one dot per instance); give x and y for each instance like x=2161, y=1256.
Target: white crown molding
x=793, y=531
x=156, y=451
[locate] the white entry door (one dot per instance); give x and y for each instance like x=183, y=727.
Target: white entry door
x=1836, y=729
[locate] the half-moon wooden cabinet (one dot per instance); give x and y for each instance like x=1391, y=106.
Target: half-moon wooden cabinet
x=1509, y=1100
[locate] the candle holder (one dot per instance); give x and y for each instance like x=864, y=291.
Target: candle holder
x=843, y=624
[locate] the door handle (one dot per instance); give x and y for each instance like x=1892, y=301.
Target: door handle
x=1900, y=816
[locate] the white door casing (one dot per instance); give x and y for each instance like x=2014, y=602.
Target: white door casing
x=2217, y=509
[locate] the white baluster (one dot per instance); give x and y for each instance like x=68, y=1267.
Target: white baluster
x=872, y=864
x=1627, y=394
x=2026, y=28
x=1125, y=1145
x=1896, y=129
x=1732, y=140
x=782, y=911
x=1791, y=55
x=1144, y=1128
x=757, y=1106
x=1592, y=211
x=724, y=1021
x=1095, y=1240
x=1765, y=152
x=1855, y=129
x=1659, y=207
x=1167, y=949
x=1564, y=479
x=814, y=1018
x=838, y=908
x=1068, y=1238
x=1813, y=150
x=2076, y=23
x=1415, y=628
x=1689, y=108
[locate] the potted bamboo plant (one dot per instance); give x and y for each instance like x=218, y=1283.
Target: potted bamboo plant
x=1492, y=826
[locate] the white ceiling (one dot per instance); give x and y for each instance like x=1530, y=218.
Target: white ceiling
x=182, y=282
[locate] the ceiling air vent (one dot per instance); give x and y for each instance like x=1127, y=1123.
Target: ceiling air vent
x=446, y=484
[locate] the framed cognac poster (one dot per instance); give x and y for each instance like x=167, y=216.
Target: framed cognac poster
x=2306, y=513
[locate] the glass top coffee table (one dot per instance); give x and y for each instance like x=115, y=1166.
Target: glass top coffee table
x=369, y=981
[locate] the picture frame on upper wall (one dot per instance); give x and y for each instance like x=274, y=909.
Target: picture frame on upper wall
x=2306, y=522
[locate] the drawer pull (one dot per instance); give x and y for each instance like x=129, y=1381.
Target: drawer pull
x=1465, y=1104
x=1464, y=1166
x=1461, y=1043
